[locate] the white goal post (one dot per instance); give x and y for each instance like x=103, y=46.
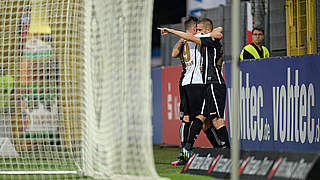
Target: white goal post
x=75, y=88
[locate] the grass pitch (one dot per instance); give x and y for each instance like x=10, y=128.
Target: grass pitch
x=163, y=156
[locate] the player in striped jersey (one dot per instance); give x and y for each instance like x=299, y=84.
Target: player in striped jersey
x=214, y=84
x=190, y=84
x=191, y=92
x=211, y=53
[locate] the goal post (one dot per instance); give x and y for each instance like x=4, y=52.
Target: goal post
x=76, y=89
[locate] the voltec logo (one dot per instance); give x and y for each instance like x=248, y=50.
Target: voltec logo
x=290, y=116
x=252, y=124
x=292, y=107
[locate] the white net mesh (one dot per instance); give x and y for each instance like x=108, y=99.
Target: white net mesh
x=76, y=89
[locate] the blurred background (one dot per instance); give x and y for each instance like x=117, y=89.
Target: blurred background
x=287, y=25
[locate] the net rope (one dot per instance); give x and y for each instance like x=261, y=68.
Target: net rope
x=76, y=89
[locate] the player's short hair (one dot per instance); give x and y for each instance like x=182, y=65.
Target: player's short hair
x=190, y=21
x=207, y=23
x=258, y=29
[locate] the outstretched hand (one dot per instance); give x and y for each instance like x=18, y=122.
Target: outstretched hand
x=217, y=33
x=164, y=31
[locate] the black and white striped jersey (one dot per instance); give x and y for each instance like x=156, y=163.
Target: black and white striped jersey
x=212, y=59
x=190, y=57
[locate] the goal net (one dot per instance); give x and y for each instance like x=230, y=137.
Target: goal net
x=75, y=88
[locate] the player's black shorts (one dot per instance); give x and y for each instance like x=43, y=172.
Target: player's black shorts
x=215, y=99
x=191, y=99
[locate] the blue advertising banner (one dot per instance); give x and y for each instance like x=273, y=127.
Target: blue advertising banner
x=279, y=103
x=156, y=76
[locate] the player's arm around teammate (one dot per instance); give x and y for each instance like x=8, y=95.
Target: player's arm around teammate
x=215, y=33
x=205, y=125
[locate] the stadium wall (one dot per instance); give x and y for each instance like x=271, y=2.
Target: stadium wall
x=279, y=103
x=271, y=91
x=156, y=105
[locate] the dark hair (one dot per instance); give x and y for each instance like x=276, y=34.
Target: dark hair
x=258, y=29
x=190, y=21
x=207, y=23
